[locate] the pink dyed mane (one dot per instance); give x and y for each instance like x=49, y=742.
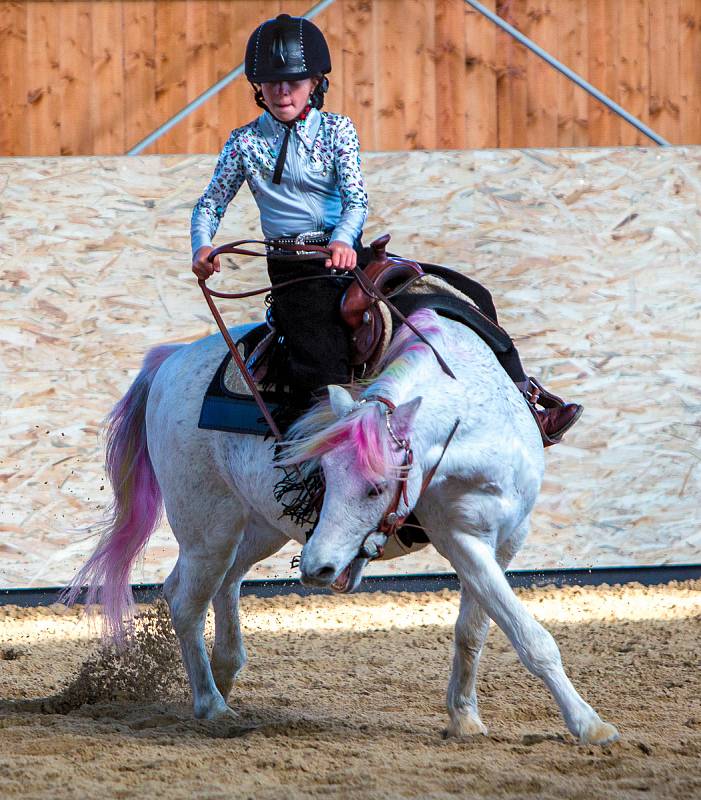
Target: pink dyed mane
x=364, y=430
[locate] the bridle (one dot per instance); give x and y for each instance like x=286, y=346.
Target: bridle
x=392, y=520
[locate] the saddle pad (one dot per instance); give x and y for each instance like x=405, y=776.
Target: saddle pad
x=233, y=411
x=228, y=404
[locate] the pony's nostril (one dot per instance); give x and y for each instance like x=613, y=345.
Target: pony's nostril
x=325, y=573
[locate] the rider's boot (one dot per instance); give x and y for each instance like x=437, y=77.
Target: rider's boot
x=555, y=417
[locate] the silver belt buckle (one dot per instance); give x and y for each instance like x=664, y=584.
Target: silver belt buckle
x=302, y=238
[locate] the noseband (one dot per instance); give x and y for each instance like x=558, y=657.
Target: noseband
x=391, y=521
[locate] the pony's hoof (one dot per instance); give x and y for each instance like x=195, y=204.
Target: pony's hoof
x=465, y=726
x=599, y=732
x=226, y=713
x=216, y=711
x=224, y=684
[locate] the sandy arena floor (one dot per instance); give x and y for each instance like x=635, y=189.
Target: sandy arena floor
x=343, y=697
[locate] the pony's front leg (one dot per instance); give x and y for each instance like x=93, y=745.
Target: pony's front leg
x=260, y=540
x=482, y=577
x=470, y=633
x=471, y=629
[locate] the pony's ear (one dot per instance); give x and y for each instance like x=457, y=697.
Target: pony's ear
x=403, y=417
x=342, y=402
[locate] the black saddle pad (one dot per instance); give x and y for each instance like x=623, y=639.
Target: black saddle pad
x=238, y=412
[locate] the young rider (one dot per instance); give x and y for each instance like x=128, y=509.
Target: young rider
x=302, y=166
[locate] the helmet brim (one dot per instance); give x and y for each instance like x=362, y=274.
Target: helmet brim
x=280, y=75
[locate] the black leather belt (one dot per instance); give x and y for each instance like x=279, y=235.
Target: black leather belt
x=312, y=237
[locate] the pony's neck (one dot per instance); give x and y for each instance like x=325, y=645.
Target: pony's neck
x=409, y=362
x=415, y=372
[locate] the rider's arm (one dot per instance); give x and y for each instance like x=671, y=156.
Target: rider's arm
x=228, y=176
x=354, y=198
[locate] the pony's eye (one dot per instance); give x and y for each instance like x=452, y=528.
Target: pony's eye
x=376, y=491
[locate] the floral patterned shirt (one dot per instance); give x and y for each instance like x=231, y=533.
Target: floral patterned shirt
x=322, y=186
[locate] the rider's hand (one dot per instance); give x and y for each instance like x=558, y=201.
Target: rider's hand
x=343, y=256
x=203, y=268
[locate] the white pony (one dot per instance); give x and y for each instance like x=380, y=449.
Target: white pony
x=217, y=489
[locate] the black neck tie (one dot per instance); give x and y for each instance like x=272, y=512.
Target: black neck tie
x=280, y=163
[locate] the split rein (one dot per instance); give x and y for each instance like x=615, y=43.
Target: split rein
x=391, y=521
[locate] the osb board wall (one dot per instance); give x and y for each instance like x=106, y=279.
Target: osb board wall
x=84, y=78
x=592, y=256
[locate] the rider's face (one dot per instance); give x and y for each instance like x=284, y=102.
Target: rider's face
x=287, y=99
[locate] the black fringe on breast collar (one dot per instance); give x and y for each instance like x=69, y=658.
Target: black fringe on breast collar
x=301, y=499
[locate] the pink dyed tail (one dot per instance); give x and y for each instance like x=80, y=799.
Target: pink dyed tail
x=135, y=510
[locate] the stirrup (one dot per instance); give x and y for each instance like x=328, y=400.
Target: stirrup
x=548, y=441
x=534, y=394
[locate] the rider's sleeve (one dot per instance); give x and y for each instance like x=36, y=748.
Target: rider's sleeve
x=228, y=176
x=354, y=198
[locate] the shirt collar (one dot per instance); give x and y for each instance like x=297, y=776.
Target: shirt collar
x=306, y=129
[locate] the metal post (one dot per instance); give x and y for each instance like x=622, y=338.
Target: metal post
x=198, y=101
x=568, y=73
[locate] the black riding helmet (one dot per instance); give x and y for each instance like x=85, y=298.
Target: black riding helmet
x=286, y=49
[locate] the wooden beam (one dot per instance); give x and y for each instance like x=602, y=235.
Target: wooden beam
x=604, y=125
x=139, y=70
x=107, y=104
x=171, y=73
x=512, y=91
x=481, y=78
x=690, y=72
x=572, y=106
x=664, y=68
x=633, y=67
x=43, y=80
x=541, y=79
x=391, y=90
x=451, y=74
x=360, y=57
x=75, y=57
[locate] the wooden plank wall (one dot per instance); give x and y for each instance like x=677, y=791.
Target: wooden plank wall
x=95, y=77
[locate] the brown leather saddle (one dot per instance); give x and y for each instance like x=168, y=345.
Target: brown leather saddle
x=368, y=318
x=409, y=285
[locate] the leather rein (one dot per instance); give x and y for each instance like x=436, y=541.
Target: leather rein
x=391, y=521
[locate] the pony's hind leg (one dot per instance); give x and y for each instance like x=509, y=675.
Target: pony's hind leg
x=205, y=557
x=260, y=540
